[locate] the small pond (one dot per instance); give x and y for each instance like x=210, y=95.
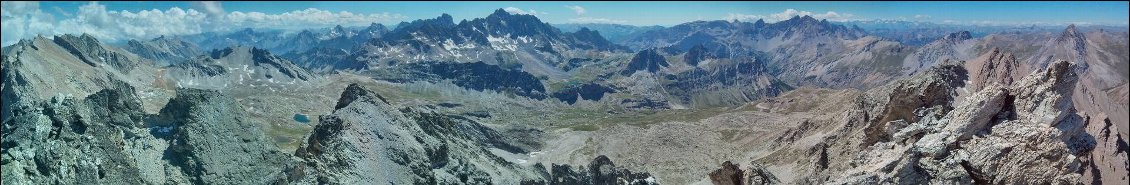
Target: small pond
x=301, y=118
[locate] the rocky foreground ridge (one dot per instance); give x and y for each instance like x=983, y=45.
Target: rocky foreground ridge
x=204, y=137
x=940, y=128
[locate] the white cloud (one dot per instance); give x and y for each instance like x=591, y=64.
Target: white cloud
x=789, y=14
x=310, y=17
x=742, y=17
x=23, y=20
x=514, y=10
x=920, y=16
x=581, y=18
x=596, y=20
x=577, y=9
x=213, y=8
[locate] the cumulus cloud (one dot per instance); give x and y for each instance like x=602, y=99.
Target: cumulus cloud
x=830, y=15
x=514, y=10
x=596, y=20
x=577, y=9
x=23, y=20
x=920, y=16
x=213, y=8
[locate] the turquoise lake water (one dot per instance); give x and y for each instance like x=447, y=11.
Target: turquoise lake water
x=301, y=118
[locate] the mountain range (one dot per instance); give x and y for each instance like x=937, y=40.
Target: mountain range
x=510, y=99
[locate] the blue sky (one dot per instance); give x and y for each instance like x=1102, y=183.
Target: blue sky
x=671, y=13
x=117, y=21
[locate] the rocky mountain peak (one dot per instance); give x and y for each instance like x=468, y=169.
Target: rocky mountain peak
x=501, y=22
x=442, y=22
x=809, y=26
x=268, y=65
x=958, y=36
x=994, y=67
x=376, y=28
x=802, y=20
x=306, y=34
x=164, y=50
x=586, y=31
x=1061, y=73
x=1071, y=30
x=444, y=18
x=354, y=93
x=591, y=39
x=85, y=41
x=500, y=12
x=1072, y=34
x=696, y=54
x=759, y=23
x=92, y=52
x=647, y=60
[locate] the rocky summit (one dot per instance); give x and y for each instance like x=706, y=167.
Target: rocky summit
x=561, y=95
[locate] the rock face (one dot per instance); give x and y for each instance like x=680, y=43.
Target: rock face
x=200, y=137
x=732, y=174
x=994, y=67
x=237, y=67
x=89, y=50
x=1098, y=51
x=590, y=91
x=600, y=171
x=952, y=46
x=41, y=68
x=368, y=141
x=498, y=24
x=501, y=38
x=696, y=54
x=164, y=50
x=1027, y=133
x=69, y=141
x=724, y=82
x=591, y=39
x=803, y=50
x=213, y=141
x=477, y=75
x=614, y=32
x=729, y=174
x=647, y=60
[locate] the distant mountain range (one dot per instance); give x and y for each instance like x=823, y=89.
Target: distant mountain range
x=496, y=99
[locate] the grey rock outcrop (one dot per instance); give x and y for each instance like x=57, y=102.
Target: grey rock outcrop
x=68, y=140
x=1023, y=134
x=731, y=174
x=647, y=60
x=994, y=67
x=40, y=68
x=201, y=137
x=214, y=142
x=600, y=171
x=368, y=141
